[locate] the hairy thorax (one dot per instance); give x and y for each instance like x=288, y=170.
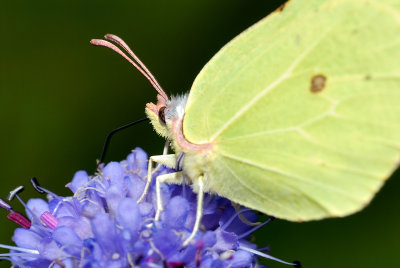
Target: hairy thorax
x=167, y=119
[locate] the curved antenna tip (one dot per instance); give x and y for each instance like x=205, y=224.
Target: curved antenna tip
x=135, y=61
x=109, y=35
x=96, y=42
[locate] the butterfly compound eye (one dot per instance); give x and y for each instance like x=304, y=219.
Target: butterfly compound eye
x=161, y=114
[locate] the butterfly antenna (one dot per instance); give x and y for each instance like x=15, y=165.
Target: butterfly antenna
x=145, y=72
x=119, y=41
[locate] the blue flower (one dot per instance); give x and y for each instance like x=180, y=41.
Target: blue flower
x=103, y=225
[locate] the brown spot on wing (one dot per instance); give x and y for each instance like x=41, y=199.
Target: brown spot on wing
x=318, y=83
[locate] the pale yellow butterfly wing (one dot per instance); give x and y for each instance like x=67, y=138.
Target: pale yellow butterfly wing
x=303, y=109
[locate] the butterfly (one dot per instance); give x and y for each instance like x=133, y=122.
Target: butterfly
x=297, y=117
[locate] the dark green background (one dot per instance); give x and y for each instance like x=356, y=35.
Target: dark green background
x=60, y=97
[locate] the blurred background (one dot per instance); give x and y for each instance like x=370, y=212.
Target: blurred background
x=60, y=96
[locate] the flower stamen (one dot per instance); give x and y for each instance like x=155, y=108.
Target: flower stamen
x=295, y=263
x=42, y=190
x=226, y=224
x=19, y=219
x=5, y=205
x=26, y=250
x=49, y=220
x=15, y=216
x=14, y=193
x=255, y=228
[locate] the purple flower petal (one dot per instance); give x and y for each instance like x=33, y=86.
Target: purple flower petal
x=241, y=259
x=176, y=212
x=37, y=206
x=81, y=226
x=26, y=238
x=113, y=197
x=80, y=178
x=37, y=263
x=225, y=241
x=137, y=160
x=146, y=209
x=48, y=249
x=129, y=216
x=115, y=174
x=167, y=249
x=105, y=233
x=209, y=239
x=66, y=236
x=135, y=186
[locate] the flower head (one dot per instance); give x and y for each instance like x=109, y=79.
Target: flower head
x=103, y=225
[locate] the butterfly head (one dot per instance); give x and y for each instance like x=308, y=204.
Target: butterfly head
x=165, y=112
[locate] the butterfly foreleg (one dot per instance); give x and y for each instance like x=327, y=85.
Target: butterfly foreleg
x=168, y=160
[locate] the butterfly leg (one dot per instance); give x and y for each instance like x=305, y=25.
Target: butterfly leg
x=168, y=160
x=173, y=178
x=199, y=211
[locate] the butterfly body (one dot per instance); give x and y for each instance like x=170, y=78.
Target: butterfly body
x=167, y=119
